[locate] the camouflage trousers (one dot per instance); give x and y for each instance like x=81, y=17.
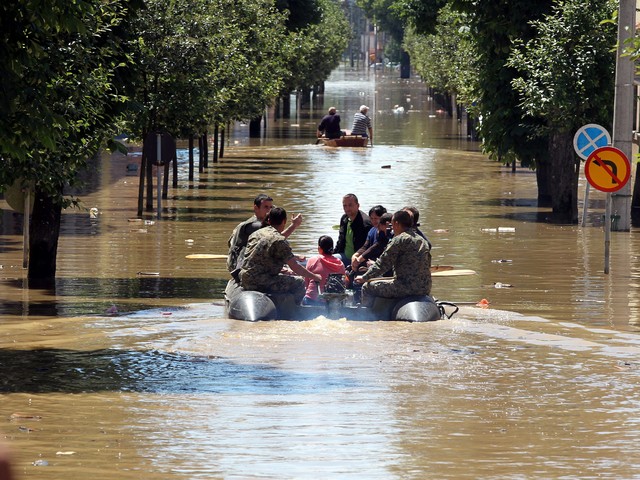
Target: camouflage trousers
x=277, y=284
x=390, y=288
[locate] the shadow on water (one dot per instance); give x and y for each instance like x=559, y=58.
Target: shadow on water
x=91, y=296
x=107, y=370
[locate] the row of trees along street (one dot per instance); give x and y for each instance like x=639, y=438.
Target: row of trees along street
x=533, y=73
x=75, y=74
x=78, y=73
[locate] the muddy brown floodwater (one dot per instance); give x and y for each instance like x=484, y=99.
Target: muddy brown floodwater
x=128, y=369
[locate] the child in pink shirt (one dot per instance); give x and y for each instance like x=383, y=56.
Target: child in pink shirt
x=323, y=264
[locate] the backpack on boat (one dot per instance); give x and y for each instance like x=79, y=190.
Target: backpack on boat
x=335, y=283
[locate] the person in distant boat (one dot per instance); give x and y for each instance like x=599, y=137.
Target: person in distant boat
x=262, y=205
x=267, y=252
x=362, y=123
x=409, y=257
x=354, y=227
x=415, y=215
x=330, y=125
x=323, y=264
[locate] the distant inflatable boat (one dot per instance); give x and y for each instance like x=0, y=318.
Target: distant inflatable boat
x=255, y=306
x=346, y=141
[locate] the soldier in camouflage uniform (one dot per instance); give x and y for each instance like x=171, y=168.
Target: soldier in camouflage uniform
x=262, y=204
x=266, y=253
x=408, y=255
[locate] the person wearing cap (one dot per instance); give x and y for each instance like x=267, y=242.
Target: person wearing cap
x=362, y=124
x=330, y=125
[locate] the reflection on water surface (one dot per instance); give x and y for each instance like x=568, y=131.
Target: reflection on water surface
x=127, y=361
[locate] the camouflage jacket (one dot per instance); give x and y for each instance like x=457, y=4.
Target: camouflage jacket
x=238, y=242
x=266, y=253
x=409, y=257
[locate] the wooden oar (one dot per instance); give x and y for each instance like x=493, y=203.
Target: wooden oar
x=442, y=273
x=200, y=256
x=453, y=273
x=440, y=268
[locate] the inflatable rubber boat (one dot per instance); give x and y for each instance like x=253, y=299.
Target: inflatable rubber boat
x=255, y=306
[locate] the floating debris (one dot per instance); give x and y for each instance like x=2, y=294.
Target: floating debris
x=502, y=260
x=24, y=416
x=502, y=285
x=149, y=274
x=441, y=230
x=66, y=453
x=500, y=230
x=385, y=166
x=484, y=303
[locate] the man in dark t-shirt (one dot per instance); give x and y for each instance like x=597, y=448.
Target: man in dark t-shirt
x=330, y=125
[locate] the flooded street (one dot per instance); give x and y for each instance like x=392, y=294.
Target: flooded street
x=128, y=368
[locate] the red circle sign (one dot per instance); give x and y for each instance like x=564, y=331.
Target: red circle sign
x=607, y=169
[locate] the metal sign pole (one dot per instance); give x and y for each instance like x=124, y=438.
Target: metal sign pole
x=607, y=232
x=607, y=169
x=586, y=202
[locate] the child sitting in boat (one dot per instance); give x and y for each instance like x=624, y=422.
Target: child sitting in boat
x=323, y=264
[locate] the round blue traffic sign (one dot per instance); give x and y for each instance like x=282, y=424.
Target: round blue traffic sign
x=589, y=138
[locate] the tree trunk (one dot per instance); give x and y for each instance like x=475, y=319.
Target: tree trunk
x=254, y=127
x=223, y=135
x=205, y=149
x=149, y=204
x=277, y=107
x=565, y=167
x=305, y=96
x=43, y=237
x=216, y=132
x=543, y=177
x=405, y=65
x=191, y=161
x=286, y=106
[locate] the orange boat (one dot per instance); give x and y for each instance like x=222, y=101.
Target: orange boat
x=346, y=141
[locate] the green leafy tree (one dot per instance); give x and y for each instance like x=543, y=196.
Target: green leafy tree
x=567, y=79
x=446, y=59
x=316, y=50
x=421, y=15
x=62, y=70
x=201, y=62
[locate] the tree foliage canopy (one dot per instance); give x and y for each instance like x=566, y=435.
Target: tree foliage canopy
x=62, y=67
x=567, y=70
x=446, y=59
x=196, y=66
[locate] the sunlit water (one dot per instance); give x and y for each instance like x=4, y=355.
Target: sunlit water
x=544, y=384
